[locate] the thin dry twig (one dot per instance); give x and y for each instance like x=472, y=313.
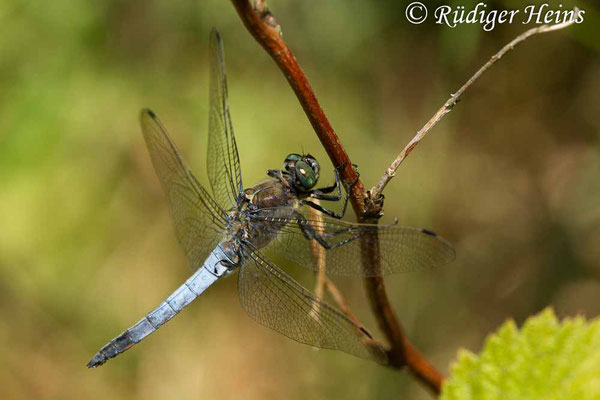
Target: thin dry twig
x=376, y=191
x=342, y=304
x=319, y=254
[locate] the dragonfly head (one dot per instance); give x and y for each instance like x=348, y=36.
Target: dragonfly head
x=303, y=171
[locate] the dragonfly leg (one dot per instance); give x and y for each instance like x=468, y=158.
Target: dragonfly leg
x=320, y=193
x=310, y=233
x=325, y=211
x=351, y=185
x=348, y=187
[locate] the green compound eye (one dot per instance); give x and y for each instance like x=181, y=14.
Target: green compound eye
x=290, y=161
x=305, y=176
x=293, y=157
x=313, y=164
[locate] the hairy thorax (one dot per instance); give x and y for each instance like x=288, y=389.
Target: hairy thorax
x=271, y=198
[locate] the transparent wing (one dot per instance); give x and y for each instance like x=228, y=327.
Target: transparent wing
x=277, y=301
x=198, y=219
x=223, y=160
x=402, y=249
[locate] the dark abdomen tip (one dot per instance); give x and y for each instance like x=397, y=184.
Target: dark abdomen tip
x=97, y=360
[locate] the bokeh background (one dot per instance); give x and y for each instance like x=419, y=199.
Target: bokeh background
x=511, y=177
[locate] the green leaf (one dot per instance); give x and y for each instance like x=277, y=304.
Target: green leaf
x=546, y=360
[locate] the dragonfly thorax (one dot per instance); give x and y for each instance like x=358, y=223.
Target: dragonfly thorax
x=268, y=194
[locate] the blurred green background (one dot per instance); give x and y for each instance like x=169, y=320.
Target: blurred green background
x=511, y=177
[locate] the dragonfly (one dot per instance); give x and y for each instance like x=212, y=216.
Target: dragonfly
x=237, y=228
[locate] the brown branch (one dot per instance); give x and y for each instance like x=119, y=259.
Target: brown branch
x=376, y=191
x=264, y=28
x=402, y=352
